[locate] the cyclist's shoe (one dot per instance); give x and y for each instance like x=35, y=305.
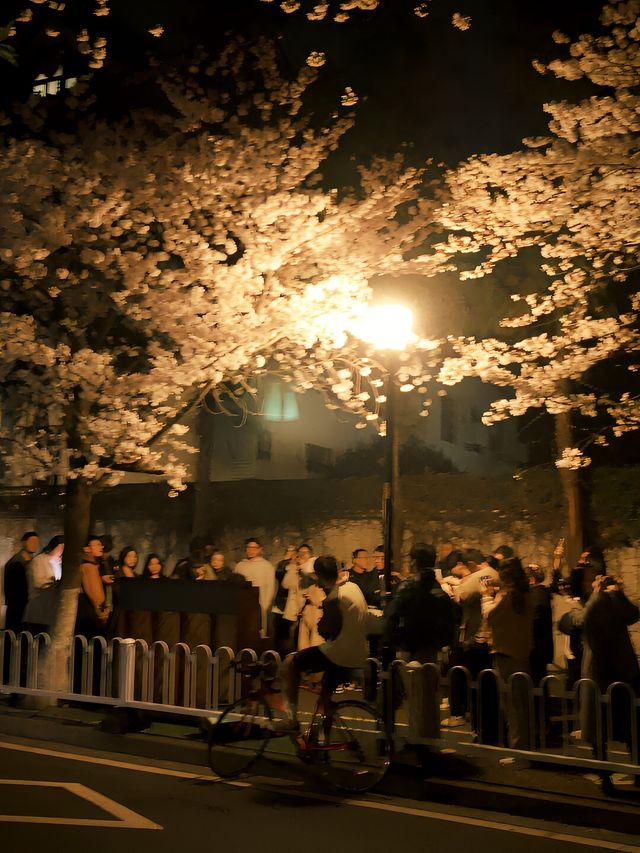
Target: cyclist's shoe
x=286, y=725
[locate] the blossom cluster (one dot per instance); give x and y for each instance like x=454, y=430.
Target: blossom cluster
x=147, y=261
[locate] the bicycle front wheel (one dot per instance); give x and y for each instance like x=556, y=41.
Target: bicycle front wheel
x=240, y=736
x=356, y=748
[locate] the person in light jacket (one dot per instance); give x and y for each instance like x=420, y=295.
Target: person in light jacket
x=44, y=573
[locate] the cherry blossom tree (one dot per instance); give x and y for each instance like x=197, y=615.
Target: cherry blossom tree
x=144, y=262
x=573, y=198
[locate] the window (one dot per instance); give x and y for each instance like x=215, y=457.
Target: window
x=475, y=415
x=263, y=447
x=495, y=439
x=448, y=420
x=280, y=404
x=319, y=459
x=53, y=85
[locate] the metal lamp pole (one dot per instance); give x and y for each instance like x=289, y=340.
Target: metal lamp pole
x=390, y=488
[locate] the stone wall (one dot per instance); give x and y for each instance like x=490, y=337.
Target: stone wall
x=339, y=515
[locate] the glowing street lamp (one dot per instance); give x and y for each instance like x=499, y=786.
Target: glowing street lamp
x=387, y=327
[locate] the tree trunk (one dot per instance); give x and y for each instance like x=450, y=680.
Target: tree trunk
x=77, y=516
x=205, y=427
x=570, y=480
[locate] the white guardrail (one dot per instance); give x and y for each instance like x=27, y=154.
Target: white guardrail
x=581, y=727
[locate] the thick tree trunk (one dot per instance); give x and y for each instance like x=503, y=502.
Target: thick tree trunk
x=570, y=480
x=201, y=515
x=77, y=516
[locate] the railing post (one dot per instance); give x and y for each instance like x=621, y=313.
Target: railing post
x=126, y=669
x=422, y=683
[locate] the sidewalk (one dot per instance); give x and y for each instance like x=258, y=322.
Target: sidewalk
x=451, y=776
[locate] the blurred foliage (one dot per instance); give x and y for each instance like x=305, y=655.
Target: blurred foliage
x=368, y=459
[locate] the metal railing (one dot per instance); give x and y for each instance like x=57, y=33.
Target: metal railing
x=548, y=723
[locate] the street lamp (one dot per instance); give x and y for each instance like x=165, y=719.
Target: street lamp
x=388, y=328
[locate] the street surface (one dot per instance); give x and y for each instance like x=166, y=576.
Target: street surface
x=56, y=797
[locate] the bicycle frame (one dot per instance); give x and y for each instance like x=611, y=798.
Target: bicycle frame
x=322, y=716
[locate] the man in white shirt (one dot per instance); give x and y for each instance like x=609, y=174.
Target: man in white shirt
x=344, y=625
x=468, y=583
x=261, y=574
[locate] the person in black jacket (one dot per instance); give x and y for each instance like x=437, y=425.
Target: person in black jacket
x=16, y=588
x=421, y=619
x=540, y=597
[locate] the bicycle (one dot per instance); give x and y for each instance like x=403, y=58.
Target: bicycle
x=348, y=737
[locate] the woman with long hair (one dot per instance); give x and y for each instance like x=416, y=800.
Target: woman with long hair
x=508, y=607
x=127, y=562
x=153, y=568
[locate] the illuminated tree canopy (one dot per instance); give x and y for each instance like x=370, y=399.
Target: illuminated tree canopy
x=572, y=197
x=167, y=252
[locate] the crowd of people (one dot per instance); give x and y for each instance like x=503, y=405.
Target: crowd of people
x=457, y=606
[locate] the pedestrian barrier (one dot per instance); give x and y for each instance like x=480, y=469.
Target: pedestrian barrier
x=549, y=723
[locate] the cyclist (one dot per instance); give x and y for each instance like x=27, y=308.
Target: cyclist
x=344, y=624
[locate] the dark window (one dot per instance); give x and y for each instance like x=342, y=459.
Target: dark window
x=319, y=459
x=264, y=445
x=448, y=420
x=475, y=415
x=495, y=439
x=473, y=447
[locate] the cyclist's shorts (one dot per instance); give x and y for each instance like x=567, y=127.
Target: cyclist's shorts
x=313, y=660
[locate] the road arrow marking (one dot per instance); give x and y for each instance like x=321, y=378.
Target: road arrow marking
x=123, y=818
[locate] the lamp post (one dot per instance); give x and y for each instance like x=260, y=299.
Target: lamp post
x=388, y=327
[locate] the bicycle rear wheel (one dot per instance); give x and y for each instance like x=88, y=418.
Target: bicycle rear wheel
x=356, y=748
x=240, y=736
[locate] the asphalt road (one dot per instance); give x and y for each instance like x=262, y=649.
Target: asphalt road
x=56, y=797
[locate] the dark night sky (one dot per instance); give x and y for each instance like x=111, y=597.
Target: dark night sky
x=448, y=93
x=420, y=81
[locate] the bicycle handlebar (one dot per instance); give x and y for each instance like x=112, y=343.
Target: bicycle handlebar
x=254, y=668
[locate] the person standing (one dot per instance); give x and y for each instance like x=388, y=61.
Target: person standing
x=282, y=626
x=261, y=574
x=610, y=654
x=421, y=619
x=305, y=559
x=468, y=583
x=609, y=657
x=16, y=587
x=364, y=577
x=297, y=569
x=475, y=574
x=107, y=568
x=219, y=569
x=508, y=608
x=44, y=573
x=154, y=568
x=93, y=613
x=448, y=559
x=127, y=562
x=540, y=596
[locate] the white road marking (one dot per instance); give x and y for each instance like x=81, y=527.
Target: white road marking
x=89, y=759
x=124, y=817
x=376, y=805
